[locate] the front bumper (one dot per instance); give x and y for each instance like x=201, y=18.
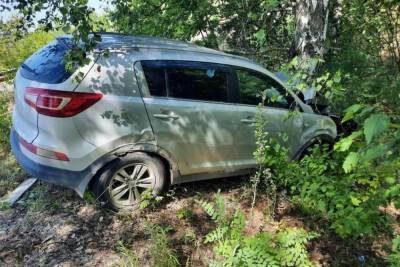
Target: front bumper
x=76, y=180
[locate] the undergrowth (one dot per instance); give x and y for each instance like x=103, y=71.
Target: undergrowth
x=348, y=186
x=287, y=247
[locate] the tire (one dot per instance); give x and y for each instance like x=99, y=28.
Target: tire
x=121, y=182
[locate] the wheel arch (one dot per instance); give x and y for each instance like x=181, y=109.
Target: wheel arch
x=323, y=138
x=167, y=159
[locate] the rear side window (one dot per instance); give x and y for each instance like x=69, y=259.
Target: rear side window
x=200, y=84
x=187, y=80
x=47, y=64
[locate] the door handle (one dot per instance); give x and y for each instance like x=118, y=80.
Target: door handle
x=165, y=116
x=248, y=121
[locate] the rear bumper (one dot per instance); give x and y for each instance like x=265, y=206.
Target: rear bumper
x=76, y=180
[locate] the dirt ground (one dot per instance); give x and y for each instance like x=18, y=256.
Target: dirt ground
x=52, y=226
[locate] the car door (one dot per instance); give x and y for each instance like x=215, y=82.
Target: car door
x=188, y=104
x=252, y=85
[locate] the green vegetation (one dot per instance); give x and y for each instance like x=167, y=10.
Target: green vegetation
x=349, y=188
x=10, y=172
x=284, y=248
x=130, y=259
x=159, y=250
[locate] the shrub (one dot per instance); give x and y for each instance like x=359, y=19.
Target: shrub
x=284, y=248
x=349, y=185
x=160, y=252
x=394, y=258
x=6, y=101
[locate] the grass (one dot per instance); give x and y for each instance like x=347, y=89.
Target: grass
x=11, y=175
x=129, y=257
x=160, y=252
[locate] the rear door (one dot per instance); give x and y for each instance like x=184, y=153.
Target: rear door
x=275, y=110
x=189, y=107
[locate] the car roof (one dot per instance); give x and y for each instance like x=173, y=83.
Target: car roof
x=123, y=41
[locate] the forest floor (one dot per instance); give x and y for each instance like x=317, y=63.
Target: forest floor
x=53, y=226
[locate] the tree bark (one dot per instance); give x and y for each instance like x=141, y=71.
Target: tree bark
x=311, y=26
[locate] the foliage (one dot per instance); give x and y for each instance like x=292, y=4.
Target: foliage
x=148, y=200
x=6, y=101
x=259, y=29
x=184, y=213
x=15, y=49
x=159, y=250
x=10, y=173
x=347, y=186
x=130, y=259
x=305, y=75
x=285, y=248
x=394, y=258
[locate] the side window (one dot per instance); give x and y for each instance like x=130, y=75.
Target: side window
x=155, y=77
x=198, y=83
x=254, y=85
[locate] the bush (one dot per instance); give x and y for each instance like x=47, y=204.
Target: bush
x=287, y=247
x=347, y=186
x=6, y=100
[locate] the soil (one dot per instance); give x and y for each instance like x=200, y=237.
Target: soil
x=52, y=226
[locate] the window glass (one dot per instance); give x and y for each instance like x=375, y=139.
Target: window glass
x=197, y=83
x=254, y=85
x=155, y=78
x=47, y=64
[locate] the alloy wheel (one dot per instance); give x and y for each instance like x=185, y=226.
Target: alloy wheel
x=129, y=182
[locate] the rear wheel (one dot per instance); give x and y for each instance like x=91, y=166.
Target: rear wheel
x=122, y=182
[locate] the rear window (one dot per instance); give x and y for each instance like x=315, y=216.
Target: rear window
x=47, y=64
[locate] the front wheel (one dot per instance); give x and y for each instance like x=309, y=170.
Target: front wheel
x=122, y=182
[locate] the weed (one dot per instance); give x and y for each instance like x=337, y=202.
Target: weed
x=160, y=252
x=89, y=197
x=394, y=258
x=148, y=200
x=184, y=214
x=6, y=100
x=130, y=259
x=11, y=175
x=37, y=200
x=285, y=248
x=4, y=206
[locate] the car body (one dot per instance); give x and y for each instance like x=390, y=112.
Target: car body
x=190, y=106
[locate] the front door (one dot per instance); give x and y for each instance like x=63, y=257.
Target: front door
x=253, y=87
x=189, y=107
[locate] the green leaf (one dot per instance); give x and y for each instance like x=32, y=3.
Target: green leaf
x=260, y=36
x=350, y=162
x=355, y=201
x=374, y=152
x=374, y=125
x=351, y=111
x=345, y=143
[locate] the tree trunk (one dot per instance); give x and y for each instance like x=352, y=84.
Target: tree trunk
x=311, y=26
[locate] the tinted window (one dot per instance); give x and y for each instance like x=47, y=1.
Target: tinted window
x=254, y=85
x=47, y=64
x=198, y=83
x=155, y=77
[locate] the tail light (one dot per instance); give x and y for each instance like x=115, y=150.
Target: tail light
x=59, y=103
x=43, y=152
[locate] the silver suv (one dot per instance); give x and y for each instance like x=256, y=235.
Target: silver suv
x=154, y=112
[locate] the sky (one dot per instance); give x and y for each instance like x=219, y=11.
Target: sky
x=98, y=5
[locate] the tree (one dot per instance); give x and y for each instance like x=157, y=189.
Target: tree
x=311, y=28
